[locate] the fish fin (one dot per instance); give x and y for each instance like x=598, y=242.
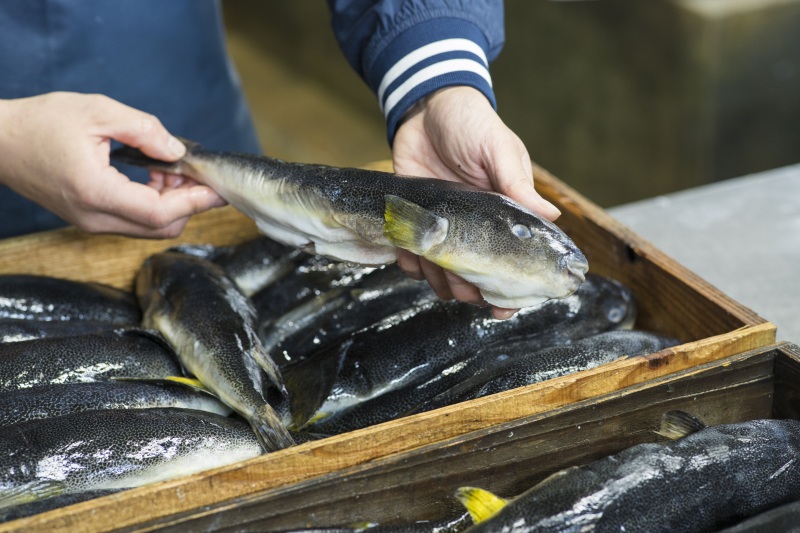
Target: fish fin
x=481, y=504
x=30, y=492
x=135, y=157
x=270, y=431
x=311, y=380
x=192, y=383
x=679, y=424
x=412, y=227
x=269, y=366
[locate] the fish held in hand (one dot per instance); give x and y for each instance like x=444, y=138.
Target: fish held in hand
x=524, y=364
x=210, y=324
x=515, y=257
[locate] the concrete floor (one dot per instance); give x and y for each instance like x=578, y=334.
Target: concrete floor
x=741, y=235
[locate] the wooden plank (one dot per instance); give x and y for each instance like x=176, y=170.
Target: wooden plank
x=506, y=458
x=113, y=259
x=787, y=382
x=671, y=300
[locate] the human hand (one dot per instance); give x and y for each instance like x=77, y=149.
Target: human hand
x=54, y=150
x=456, y=135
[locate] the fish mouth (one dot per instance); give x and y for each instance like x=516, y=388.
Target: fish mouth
x=577, y=267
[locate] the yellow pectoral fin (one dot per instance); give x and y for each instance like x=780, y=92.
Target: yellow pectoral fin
x=189, y=382
x=411, y=227
x=481, y=504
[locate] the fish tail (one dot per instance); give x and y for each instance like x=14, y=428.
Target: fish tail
x=678, y=424
x=481, y=504
x=270, y=431
x=135, y=157
x=29, y=492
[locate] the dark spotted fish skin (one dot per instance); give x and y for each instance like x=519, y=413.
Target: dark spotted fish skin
x=523, y=365
x=702, y=482
x=500, y=366
x=48, y=401
x=312, y=276
x=785, y=518
x=340, y=311
x=416, y=344
x=124, y=352
x=252, y=265
x=15, y=330
x=32, y=297
x=114, y=449
x=210, y=325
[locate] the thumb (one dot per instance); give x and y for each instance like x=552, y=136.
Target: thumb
x=140, y=130
x=512, y=175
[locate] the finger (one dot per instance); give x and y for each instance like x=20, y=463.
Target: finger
x=501, y=313
x=436, y=279
x=147, y=207
x=138, y=129
x=462, y=290
x=173, y=181
x=409, y=263
x=112, y=224
x=157, y=180
x=510, y=171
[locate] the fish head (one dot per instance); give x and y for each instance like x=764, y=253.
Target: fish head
x=515, y=257
x=619, y=304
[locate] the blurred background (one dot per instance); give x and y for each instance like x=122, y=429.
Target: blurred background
x=621, y=99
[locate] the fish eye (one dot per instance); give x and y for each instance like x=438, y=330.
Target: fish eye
x=521, y=230
x=616, y=314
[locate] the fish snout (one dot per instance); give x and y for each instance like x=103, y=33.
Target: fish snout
x=577, y=266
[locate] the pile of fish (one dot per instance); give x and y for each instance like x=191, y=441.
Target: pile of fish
x=223, y=353
x=227, y=352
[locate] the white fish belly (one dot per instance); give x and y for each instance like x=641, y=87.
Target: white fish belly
x=300, y=218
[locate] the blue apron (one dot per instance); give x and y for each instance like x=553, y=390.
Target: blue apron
x=164, y=57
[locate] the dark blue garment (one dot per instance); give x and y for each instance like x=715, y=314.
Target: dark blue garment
x=165, y=57
x=407, y=49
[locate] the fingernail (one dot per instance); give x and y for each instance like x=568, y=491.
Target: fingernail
x=175, y=147
x=550, y=211
x=503, y=314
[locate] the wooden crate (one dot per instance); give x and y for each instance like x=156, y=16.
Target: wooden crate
x=671, y=300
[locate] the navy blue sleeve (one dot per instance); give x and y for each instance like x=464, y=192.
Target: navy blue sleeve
x=407, y=49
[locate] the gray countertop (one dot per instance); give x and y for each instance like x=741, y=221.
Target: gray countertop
x=741, y=235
